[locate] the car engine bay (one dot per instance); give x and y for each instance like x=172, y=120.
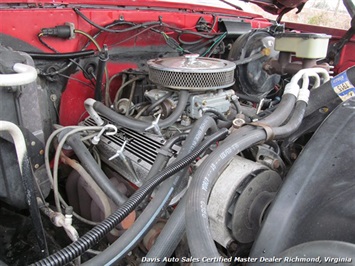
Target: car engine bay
x=169, y=134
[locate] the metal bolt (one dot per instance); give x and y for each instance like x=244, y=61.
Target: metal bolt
x=267, y=67
x=233, y=246
x=53, y=97
x=276, y=164
x=324, y=110
x=238, y=122
x=293, y=156
x=36, y=165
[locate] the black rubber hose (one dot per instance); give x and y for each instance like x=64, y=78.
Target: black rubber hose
x=151, y=213
x=57, y=56
x=292, y=124
x=219, y=115
x=77, y=11
x=146, y=219
x=91, y=166
x=103, y=58
x=309, y=125
x=198, y=234
x=325, y=96
x=98, y=232
x=139, y=125
x=170, y=236
x=199, y=237
x=155, y=104
x=282, y=112
x=133, y=235
x=276, y=118
x=162, y=158
x=236, y=103
x=248, y=98
x=172, y=232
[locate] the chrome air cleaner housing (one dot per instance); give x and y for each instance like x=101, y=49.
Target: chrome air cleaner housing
x=191, y=72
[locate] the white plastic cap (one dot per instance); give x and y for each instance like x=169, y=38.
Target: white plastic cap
x=303, y=95
x=292, y=88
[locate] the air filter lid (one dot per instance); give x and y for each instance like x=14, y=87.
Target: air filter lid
x=191, y=72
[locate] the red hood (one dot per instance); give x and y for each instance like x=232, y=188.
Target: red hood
x=278, y=7
x=192, y=5
x=271, y=6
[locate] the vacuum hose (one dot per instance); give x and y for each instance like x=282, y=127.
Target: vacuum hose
x=90, y=165
x=139, y=125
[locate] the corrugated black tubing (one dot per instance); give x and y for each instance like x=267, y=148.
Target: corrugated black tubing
x=77, y=248
x=174, y=229
x=148, y=217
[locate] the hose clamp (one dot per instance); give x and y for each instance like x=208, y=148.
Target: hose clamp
x=270, y=135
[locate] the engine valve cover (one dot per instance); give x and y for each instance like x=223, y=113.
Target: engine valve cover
x=139, y=153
